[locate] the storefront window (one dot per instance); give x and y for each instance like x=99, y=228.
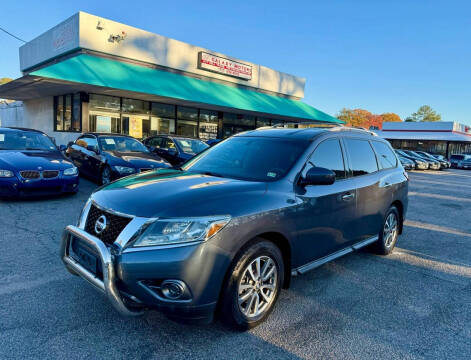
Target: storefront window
x=136, y=119
x=187, y=121
x=162, y=119
x=104, y=114
x=261, y=122
x=236, y=123
x=132, y=106
x=67, y=113
x=208, y=128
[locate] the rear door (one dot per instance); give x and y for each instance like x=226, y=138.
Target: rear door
x=364, y=170
x=326, y=212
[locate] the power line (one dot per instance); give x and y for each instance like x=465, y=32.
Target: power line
x=16, y=37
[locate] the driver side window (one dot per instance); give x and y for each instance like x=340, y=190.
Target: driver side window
x=328, y=154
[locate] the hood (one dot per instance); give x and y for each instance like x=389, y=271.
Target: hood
x=135, y=159
x=174, y=193
x=16, y=160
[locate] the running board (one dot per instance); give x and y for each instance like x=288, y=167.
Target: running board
x=316, y=263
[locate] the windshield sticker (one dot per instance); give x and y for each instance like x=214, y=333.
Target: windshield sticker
x=271, y=174
x=2, y=137
x=110, y=141
x=185, y=143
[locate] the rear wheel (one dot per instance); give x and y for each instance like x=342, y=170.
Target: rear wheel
x=389, y=232
x=253, y=287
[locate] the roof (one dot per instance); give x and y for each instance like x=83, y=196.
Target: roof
x=438, y=135
x=12, y=128
x=302, y=133
x=113, y=74
x=106, y=134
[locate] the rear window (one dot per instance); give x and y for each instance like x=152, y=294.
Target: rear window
x=386, y=157
x=361, y=155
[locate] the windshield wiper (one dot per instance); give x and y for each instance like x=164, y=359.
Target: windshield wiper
x=30, y=148
x=210, y=173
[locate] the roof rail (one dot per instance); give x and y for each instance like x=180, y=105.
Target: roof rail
x=305, y=125
x=354, y=128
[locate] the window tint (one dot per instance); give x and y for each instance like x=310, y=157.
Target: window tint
x=85, y=141
x=329, y=155
x=386, y=157
x=155, y=142
x=362, y=157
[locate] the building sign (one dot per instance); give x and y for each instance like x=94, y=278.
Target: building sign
x=224, y=66
x=135, y=127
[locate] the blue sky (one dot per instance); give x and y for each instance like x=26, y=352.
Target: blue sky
x=383, y=56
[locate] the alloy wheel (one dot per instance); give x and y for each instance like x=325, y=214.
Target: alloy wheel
x=390, y=230
x=257, y=287
x=105, y=176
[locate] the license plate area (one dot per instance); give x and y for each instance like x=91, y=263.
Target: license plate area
x=85, y=256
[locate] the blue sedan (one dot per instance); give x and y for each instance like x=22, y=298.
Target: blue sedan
x=175, y=149
x=31, y=164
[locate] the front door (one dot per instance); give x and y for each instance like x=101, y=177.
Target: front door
x=325, y=212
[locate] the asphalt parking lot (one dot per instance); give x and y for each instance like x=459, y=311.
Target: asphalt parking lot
x=414, y=304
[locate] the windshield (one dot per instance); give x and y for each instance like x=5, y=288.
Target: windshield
x=457, y=157
x=121, y=144
x=25, y=140
x=191, y=146
x=249, y=158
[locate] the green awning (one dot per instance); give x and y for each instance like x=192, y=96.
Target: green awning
x=99, y=71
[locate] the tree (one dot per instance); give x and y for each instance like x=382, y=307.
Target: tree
x=355, y=117
x=4, y=80
x=425, y=113
x=391, y=117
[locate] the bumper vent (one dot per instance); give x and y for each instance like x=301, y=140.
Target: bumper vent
x=114, y=224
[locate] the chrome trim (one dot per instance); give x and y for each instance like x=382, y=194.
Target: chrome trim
x=108, y=285
x=84, y=214
x=316, y=263
x=130, y=230
x=161, y=247
x=114, y=212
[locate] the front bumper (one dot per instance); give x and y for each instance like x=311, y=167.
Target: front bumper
x=107, y=285
x=14, y=186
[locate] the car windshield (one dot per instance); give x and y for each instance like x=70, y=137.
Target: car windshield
x=121, y=144
x=191, y=146
x=249, y=158
x=457, y=157
x=25, y=140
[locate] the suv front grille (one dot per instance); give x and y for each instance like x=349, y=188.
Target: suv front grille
x=30, y=174
x=114, y=224
x=49, y=174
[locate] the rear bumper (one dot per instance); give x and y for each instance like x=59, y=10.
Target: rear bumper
x=14, y=187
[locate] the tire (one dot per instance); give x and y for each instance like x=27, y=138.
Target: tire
x=106, y=171
x=257, y=295
x=389, y=233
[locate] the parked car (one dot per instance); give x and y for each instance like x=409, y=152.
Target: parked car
x=425, y=155
x=31, y=164
x=433, y=164
x=230, y=228
x=107, y=157
x=175, y=149
x=457, y=159
x=407, y=164
x=442, y=158
x=420, y=164
x=212, y=142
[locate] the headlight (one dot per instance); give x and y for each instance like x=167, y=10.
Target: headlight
x=182, y=230
x=6, y=173
x=124, y=169
x=71, y=171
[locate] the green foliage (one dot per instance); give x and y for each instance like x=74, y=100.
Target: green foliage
x=425, y=113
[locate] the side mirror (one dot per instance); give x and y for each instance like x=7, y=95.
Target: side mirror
x=318, y=176
x=62, y=147
x=70, y=143
x=92, y=148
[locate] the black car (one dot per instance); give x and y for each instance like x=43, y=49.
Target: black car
x=457, y=159
x=107, y=157
x=426, y=155
x=31, y=164
x=420, y=164
x=407, y=164
x=175, y=149
x=232, y=227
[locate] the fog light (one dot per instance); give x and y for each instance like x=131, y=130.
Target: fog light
x=172, y=289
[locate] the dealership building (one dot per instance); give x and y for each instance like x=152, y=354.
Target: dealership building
x=440, y=137
x=93, y=74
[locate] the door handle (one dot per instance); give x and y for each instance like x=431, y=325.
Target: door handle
x=348, y=196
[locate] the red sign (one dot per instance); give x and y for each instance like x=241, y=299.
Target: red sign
x=224, y=66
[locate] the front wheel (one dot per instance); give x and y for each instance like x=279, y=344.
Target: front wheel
x=389, y=232
x=253, y=287
x=106, y=175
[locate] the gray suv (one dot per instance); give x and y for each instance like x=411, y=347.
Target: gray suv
x=224, y=233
